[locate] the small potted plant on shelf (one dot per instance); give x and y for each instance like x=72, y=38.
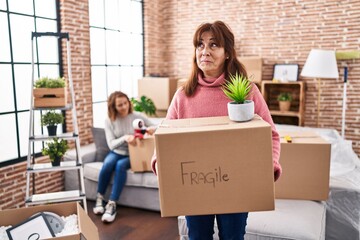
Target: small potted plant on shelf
x=284, y=99
x=55, y=150
x=49, y=92
x=238, y=90
x=144, y=104
x=51, y=119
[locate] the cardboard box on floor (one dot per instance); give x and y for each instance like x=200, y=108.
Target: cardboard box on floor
x=213, y=165
x=87, y=228
x=141, y=154
x=253, y=66
x=159, y=89
x=306, y=167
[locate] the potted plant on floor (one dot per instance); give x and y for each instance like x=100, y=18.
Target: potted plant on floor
x=51, y=119
x=284, y=99
x=49, y=92
x=238, y=89
x=144, y=104
x=55, y=150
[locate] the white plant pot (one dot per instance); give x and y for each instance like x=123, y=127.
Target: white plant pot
x=241, y=112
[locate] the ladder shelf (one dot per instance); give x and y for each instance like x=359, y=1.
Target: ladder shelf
x=33, y=198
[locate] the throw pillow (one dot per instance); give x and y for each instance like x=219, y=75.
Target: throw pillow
x=102, y=148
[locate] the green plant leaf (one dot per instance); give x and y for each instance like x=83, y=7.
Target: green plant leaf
x=46, y=82
x=55, y=148
x=51, y=118
x=144, y=104
x=237, y=88
x=285, y=96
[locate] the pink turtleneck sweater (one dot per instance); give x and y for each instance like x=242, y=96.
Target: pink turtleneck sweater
x=209, y=101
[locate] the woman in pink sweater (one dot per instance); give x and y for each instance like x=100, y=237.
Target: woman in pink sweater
x=214, y=60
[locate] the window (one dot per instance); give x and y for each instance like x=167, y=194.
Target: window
x=18, y=18
x=116, y=40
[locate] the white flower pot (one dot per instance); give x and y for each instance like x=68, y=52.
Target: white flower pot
x=241, y=112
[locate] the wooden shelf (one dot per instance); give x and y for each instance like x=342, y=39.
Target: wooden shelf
x=286, y=113
x=295, y=116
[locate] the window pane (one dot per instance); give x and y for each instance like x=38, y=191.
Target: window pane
x=112, y=47
x=6, y=89
x=46, y=25
x=97, y=45
x=48, y=49
x=136, y=17
x=137, y=49
x=124, y=13
x=111, y=14
x=3, y=4
x=23, y=86
x=8, y=139
x=24, y=121
x=49, y=71
x=127, y=82
x=4, y=39
x=45, y=8
x=113, y=80
x=21, y=6
x=96, y=13
x=99, y=114
x=125, y=48
x=98, y=79
x=21, y=28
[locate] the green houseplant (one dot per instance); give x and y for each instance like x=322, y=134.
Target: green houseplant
x=46, y=82
x=49, y=92
x=284, y=99
x=56, y=150
x=51, y=119
x=238, y=89
x=144, y=104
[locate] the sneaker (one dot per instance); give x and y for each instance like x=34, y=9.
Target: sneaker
x=110, y=213
x=99, y=206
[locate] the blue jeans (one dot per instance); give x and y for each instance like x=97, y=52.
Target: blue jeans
x=231, y=226
x=119, y=164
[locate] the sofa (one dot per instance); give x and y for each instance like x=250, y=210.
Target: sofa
x=140, y=190
x=337, y=218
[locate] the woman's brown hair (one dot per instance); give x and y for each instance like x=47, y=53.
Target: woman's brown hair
x=224, y=38
x=112, y=112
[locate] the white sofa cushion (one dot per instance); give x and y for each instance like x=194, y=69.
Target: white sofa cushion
x=292, y=219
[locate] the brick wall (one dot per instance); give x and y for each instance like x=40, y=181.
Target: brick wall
x=75, y=21
x=278, y=31
x=13, y=184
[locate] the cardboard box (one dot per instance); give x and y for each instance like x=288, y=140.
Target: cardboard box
x=306, y=167
x=159, y=89
x=213, y=165
x=87, y=228
x=181, y=82
x=253, y=66
x=141, y=154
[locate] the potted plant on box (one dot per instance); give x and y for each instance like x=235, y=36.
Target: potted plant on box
x=56, y=150
x=51, y=119
x=49, y=92
x=284, y=99
x=144, y=104
x=238, y=89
